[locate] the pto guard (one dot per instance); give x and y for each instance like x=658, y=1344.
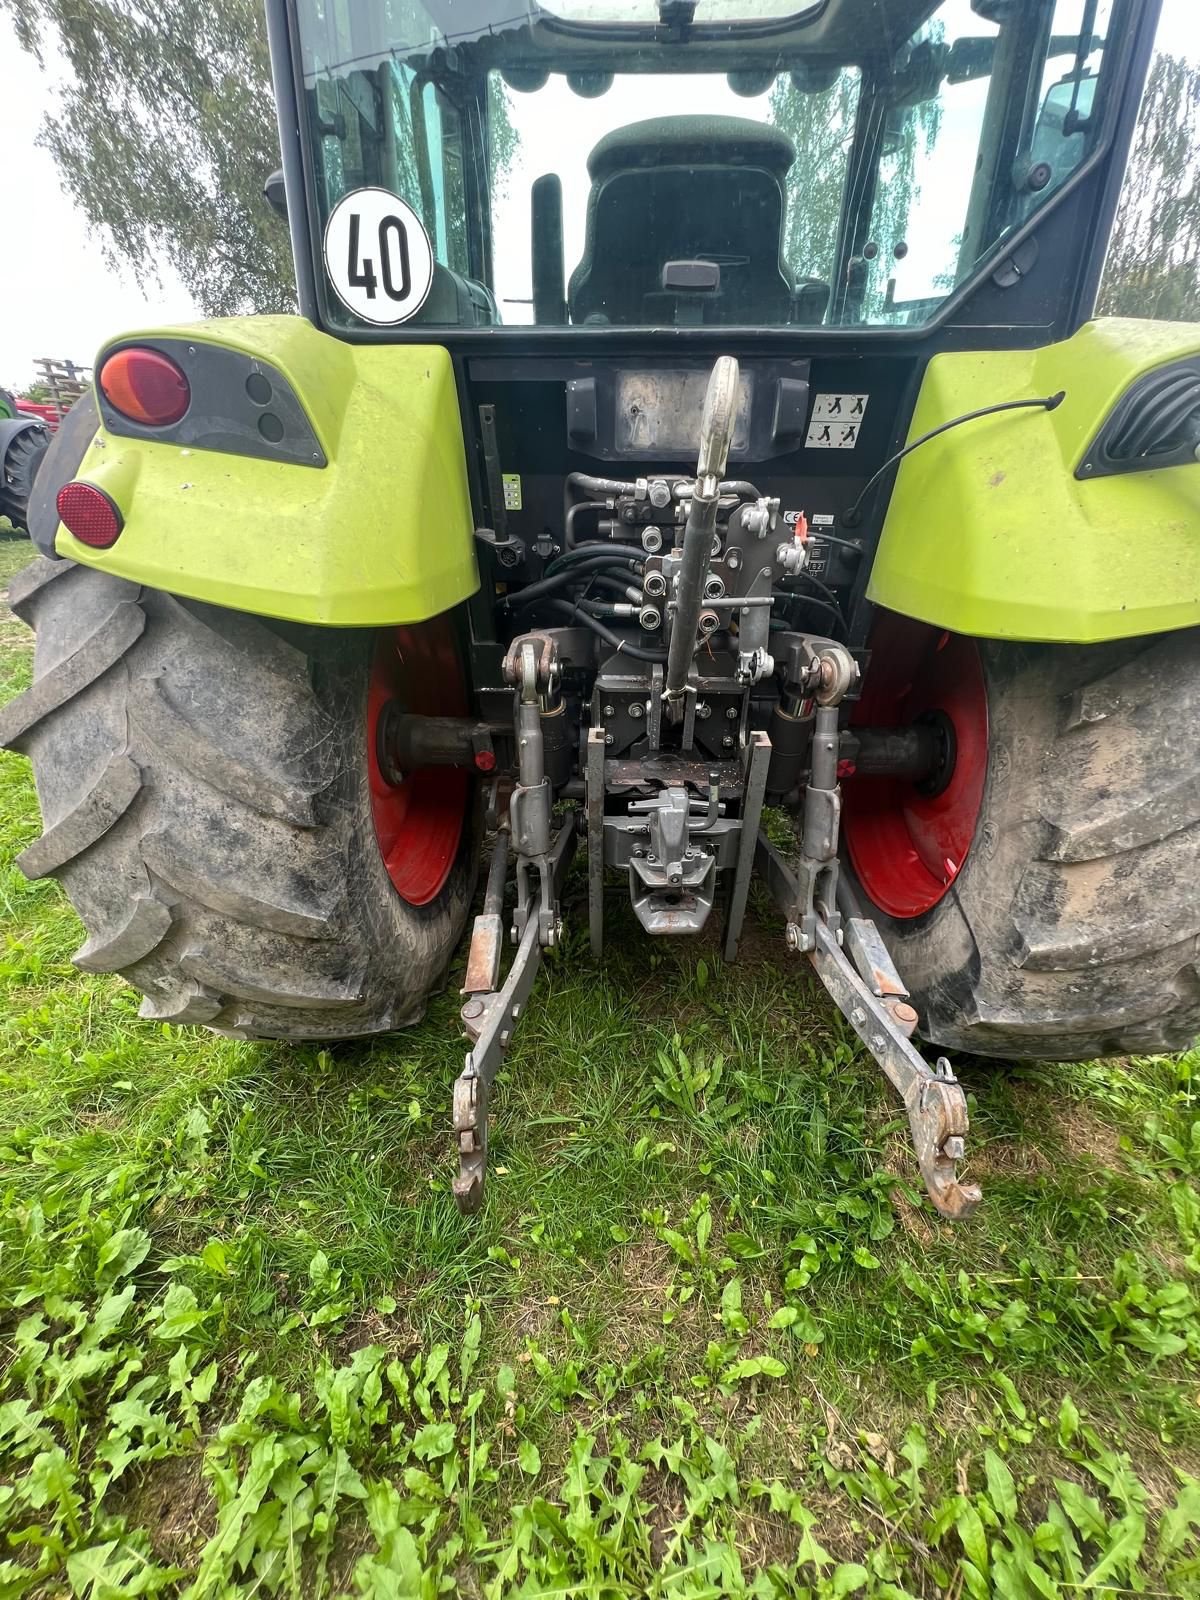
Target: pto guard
x=382, y=535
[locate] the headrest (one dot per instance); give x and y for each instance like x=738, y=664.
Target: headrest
x=692, y=141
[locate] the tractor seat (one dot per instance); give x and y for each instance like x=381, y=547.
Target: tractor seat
x=685, y=189
x=455, y=301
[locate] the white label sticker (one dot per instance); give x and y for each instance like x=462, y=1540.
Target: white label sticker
x=839, y=407
x=832, y=435
x=378, y=256
x=819, y=519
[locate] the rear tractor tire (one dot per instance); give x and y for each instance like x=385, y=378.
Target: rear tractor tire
x=1042, y=903
x=213, y=809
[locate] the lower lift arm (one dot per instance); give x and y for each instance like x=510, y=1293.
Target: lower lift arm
x=850, y=957
x=490, y=1014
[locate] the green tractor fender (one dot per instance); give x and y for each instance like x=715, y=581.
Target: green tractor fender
x=365, y=523
x=1009, y=528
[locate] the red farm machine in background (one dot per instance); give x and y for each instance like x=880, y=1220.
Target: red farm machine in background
x=25, y=429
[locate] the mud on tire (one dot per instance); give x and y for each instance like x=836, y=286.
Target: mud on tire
x=204, y=793
x=1073, y=928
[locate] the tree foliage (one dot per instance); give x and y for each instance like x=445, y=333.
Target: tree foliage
x=164, y=134
x=821, y=126
x=166, y=130
x=1153, y=267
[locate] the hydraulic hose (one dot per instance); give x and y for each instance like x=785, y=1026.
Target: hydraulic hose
x=607, y=580
x=617, y=549
x=716, y=432
x=558, y=580
x=573, y=512
x=603, y=578
x=578, y=614
x=734, y=489
x=598, y=488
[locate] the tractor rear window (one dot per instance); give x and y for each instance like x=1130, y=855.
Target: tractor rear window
x=750, y=187
x=626, y=163
x=648, y=13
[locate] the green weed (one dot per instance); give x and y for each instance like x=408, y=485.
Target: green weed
x=707, y=1338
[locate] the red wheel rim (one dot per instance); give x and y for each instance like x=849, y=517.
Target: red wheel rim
x=419, y=821
x=907, y=846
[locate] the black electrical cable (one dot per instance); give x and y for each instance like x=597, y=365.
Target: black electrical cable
x=850, y=519
x=609, y=637
x=832, y=538
x=828, y=601
x=822, y=589
x=778, y=625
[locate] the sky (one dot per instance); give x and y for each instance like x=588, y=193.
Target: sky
x=60, y=298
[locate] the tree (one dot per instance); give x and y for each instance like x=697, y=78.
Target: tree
x=164, y=137
x=821, y=126
x=167, y=131
x=1153, y=266
x=503, y=138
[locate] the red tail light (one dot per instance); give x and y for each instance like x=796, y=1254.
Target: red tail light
x=89, y=514
x=145, y=386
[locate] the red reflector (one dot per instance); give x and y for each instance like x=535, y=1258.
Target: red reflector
x=145, y=386
x=89, y=514
x=485, y=761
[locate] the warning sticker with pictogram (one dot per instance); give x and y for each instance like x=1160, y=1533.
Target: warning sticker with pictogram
x=832, y=436
x=835, y=422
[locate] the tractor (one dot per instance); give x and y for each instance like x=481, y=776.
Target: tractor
x=24, y=440
x=694, y=450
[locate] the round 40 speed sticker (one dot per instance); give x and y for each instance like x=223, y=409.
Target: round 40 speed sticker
x=378, y=256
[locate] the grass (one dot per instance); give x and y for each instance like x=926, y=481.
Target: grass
x=707, y=1338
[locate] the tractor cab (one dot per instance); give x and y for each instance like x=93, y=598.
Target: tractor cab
x=613, y=163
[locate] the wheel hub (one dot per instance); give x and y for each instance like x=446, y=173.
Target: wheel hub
x=908, y=841
x=418, y=819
